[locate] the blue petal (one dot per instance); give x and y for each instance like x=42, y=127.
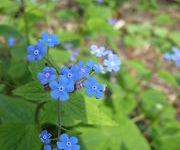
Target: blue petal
x=47, y=147
x=64, y=96
x=93, y=81
x=99, y=94
x=86, y=83
x=101, y=87
x=54, y=85
x=89, y=92
x=64, y=70
x=52, y=77
x=75, y=147
x=55, y=94
x=63, y=80
x=60, y=145
x=40, y=76
x=45, y=35
x=43, y=50
x=30, y=58
x=46, y=69
x=53, y=71
x=44, y=81
x=39, y=57
x=70, y=86
x=73, y=140
x=64, y=138
x=30, y=49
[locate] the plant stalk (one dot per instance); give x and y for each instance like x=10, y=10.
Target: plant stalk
x=59, y=123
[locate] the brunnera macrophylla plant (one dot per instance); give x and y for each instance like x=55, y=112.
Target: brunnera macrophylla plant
x=68, y=79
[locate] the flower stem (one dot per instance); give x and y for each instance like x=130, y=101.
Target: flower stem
x=59, y=124
x=25, y=21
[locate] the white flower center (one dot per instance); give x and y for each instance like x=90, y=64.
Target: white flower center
x=44, y=137
x=94, y=87
x=47, y=75
x=49, y=40
x=69, y=75
x=68, y=144
x=61, y=88
x=36, y=52
x=82, y=70
x=112, y=63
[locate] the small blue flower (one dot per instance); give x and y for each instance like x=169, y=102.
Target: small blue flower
x=67, y=143
x=84, y=71
x=49, y=40
x=94, y=66
x=35, y=52
x=47, y=147
x=100, y=68
x=99, y=1
x=112, y=63
x=60, y=90
x=93, y=88
x=175, y=56
x=111, y=21
x=98, y=52
x=72, y=73
x=11, y=41
x=47, y=75
x=45, y=137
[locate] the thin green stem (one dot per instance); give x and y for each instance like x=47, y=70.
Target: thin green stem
x=25, y=21
x=59, y=123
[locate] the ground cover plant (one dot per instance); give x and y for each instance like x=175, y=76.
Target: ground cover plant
x=89, y=74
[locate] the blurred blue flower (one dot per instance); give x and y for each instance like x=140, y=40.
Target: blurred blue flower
x=99, y=1
x=84, y=71
x=112, y=63
x=11, y=41
x=95, y=67
x=47, y=147
x=35, y=52
x=49, y=40
x=175, y=56
x=45, y=137
x=48, y=74
x=72, y=73
x=98, y=52
x=60, y=90
x=68, y=46
x=111, y=21
x=100, y=68
x=93, y=88
x=67, y=143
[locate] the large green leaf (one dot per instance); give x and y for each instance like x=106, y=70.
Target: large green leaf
x=33, y=91
x=16, y=109
x=19, y=136
x=123, y=137
x=175, y=37
x=77, y=109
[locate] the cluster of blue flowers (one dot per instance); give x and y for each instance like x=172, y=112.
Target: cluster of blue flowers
x=112, y=21
x=64, y=142
x=175, y=56
x=39, y=50
x=110, y=61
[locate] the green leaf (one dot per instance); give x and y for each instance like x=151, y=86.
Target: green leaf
x=33, y=91
x=8, y=31
x=139, y=67
x=60, y=57
x=16, y=109
x=113, y=138
x=175, y=37
x=161, y=32
x=77, y=109
x=36, y=67
x=19, y=52
x=167, y=77
x=163, y=19
x=167, y=136
x=19, y=136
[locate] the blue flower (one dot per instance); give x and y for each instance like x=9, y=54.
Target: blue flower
x=175, y=56
x=48, y=74
x=84, y=71
x=60, y=90
x=45, y=137
x=49, y=40
x=72, y=73
x=111, y=21
x=47, y=147
x=67, y=143
x=11, y=41
x=94, y=66
x=98, y=52
x=93, y=88
x=35, y=52
x=100, y=68
x=112, y=63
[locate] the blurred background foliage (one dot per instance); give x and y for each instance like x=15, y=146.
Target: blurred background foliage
x=141, y=109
